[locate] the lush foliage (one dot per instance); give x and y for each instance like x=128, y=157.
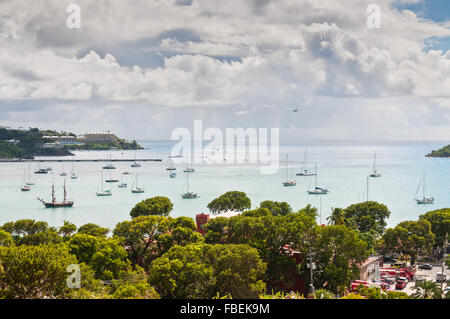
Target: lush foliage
x=159, y=205
x=261, y=253
x=443, y=152
x=440, y=224
x=230, y=201
x=411, y=238
x=202, y=271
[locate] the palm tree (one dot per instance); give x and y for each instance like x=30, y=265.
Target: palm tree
x=337, y=217
x=426, y=290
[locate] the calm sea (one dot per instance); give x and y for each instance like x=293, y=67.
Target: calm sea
x=342, y=167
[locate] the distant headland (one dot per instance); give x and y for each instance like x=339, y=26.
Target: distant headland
x=27, y=143
x=443, y=152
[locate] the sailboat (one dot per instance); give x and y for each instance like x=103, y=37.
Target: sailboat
x=62, y=170
x=110, y=165
x=287, y=181
x=103, y=192
x=304, y=171
x=54, y=203
x=110, y=179
x=317, y=190
x=425, y=200
x=171, y=167
x=135, y=164
x=188, y=194
x=41, y=170
x=173, y=175
x=29, y=181
x=122, y=184
x=73, y=175
x=24, y=187
x=189, y=169
x=375, y=173
x=136, y=188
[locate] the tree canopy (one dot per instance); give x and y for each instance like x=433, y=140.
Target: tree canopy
x=230, y=201
x=367, y=216
x=159, y=205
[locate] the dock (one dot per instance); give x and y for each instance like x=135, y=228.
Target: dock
x=17, y=160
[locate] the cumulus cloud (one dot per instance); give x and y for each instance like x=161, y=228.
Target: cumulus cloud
x=247, y=57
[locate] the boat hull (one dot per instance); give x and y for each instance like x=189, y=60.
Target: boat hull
x=58, y=205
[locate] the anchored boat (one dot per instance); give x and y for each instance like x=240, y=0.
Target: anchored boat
x=54, y=203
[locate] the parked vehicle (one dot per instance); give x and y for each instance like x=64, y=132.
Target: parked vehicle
x=389, y=259
x=419, y=279
x=400, y=285
x=405, y=279
x=441, y=277
x=426, y=266
x=388, y=280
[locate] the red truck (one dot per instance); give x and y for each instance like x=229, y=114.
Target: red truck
x=398, y=272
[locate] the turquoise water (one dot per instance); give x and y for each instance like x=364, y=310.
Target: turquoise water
x=343, y=169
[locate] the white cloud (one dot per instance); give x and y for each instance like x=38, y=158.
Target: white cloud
x=256, y=54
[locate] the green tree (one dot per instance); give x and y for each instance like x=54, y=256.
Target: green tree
x=273, y=236
x=158, y=205
x=183, y=273
x=140, y=290
x=440, y=224
x=93, y=230
x=141, y=235
x=34, y=271
x=367, y=216
x=426, y=290
x=106, y=257
x=31, y=232
x=337, y=217
x=238, y=270
x=230, y=201
x=411, y=238
x=276, y=208
x=67, y=229
x=6, y=239
x=338, y=251
x=202, y=271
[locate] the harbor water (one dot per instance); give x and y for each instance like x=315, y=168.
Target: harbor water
x=342, y=168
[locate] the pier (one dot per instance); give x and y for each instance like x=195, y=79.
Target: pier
x=16, y=160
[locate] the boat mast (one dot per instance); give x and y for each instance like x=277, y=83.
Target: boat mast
x=374, y=159
x=187, y=183
x=304, y=162
x=315, y=177
x=53, y=191
x=367, y=198
x=424, y=185
x=65, y=190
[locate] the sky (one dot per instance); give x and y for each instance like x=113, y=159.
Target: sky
x=142, y=68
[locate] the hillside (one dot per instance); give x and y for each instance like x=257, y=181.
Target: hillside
x=18, y=143
x=443, y=152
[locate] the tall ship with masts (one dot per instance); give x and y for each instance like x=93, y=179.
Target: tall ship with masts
x=54, y=203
